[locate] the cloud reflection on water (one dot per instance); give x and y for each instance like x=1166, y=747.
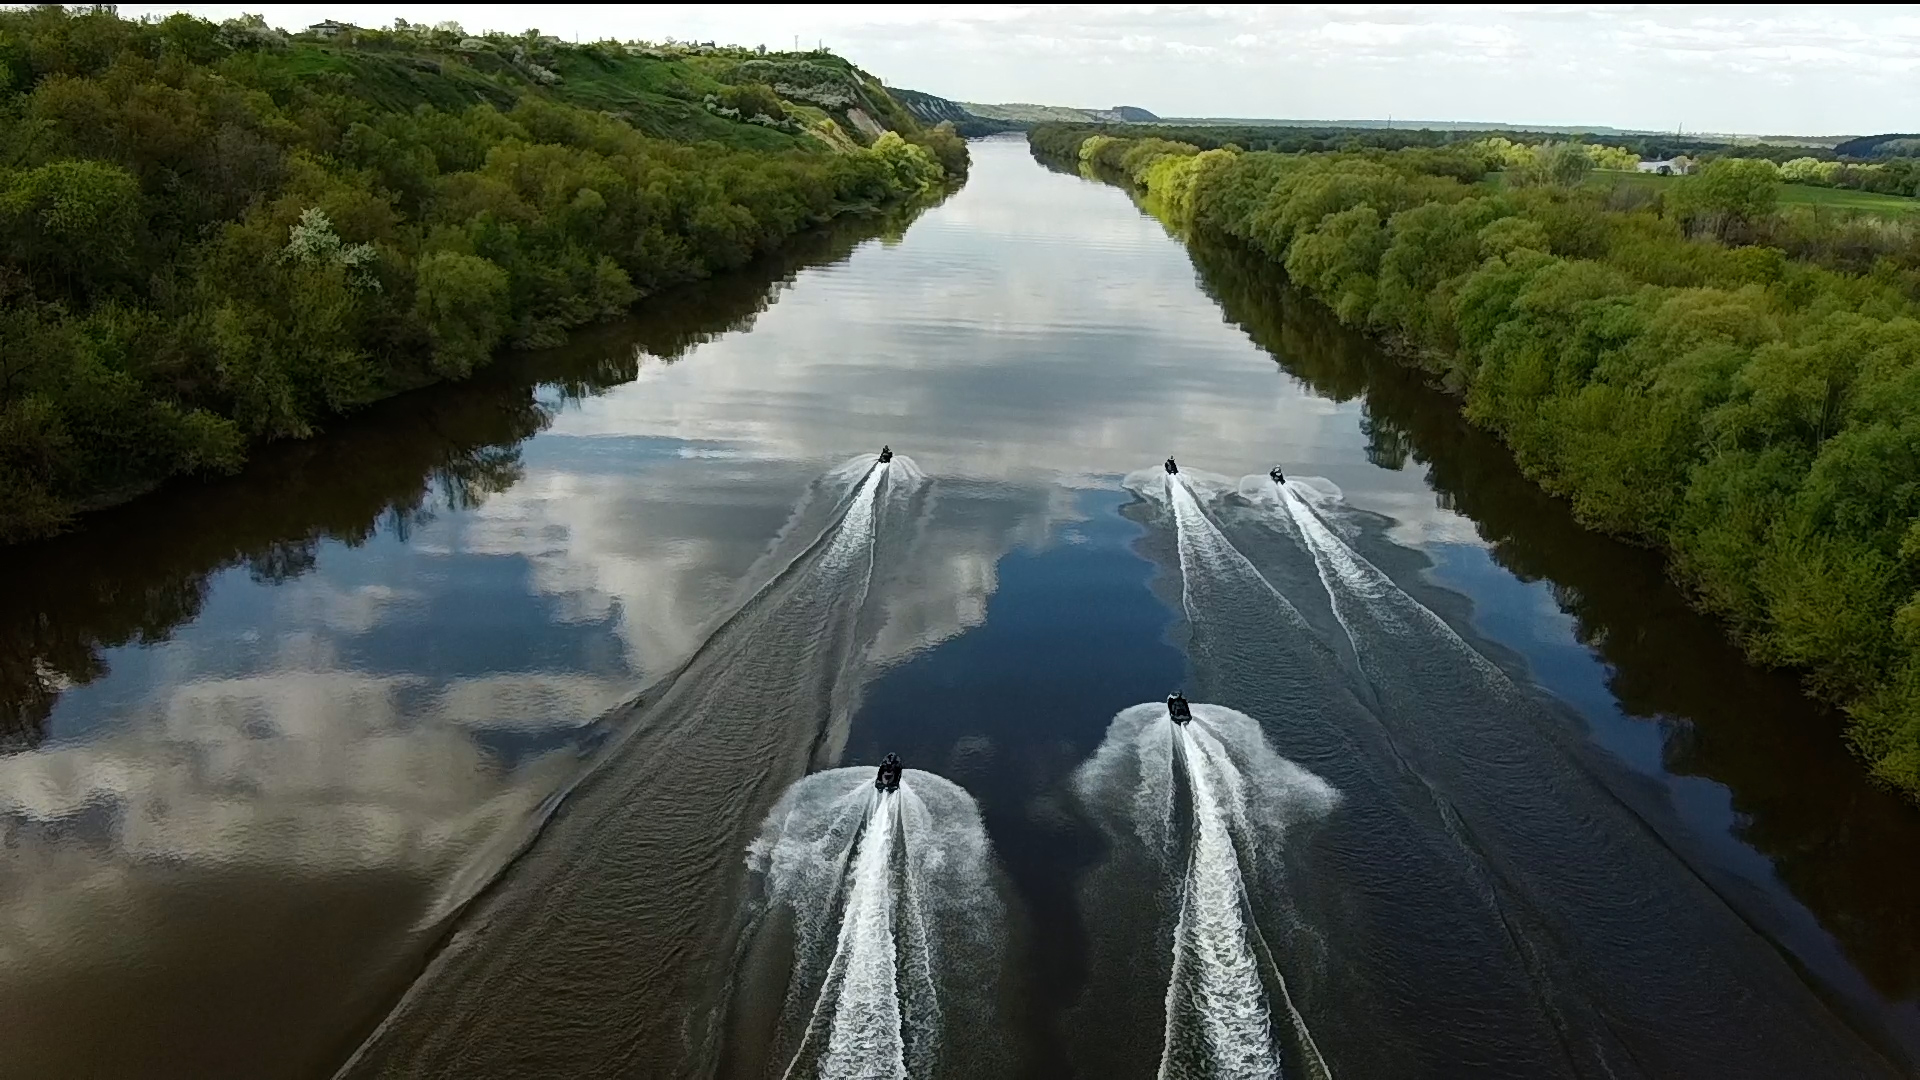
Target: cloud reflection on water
x=401, y=706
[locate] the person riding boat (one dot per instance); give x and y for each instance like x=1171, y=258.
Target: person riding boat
x=1171, y=467
x=889, y=777
x=886, y=454
x=1278, y=476
x=1177, y=708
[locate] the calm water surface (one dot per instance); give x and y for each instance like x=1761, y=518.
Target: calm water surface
x=495, y=734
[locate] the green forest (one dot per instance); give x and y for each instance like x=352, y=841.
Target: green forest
x=1696, y=368
x=214, y=235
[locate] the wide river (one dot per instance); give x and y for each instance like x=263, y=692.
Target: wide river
x=528, y=726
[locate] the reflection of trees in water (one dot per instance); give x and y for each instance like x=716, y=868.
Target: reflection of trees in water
x=1387, y=445
x=134, y=573
x=460, y=483
x=1843, y=846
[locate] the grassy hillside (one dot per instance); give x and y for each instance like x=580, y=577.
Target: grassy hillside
x=932, y=109
x=675, y=92
x=1030, y=114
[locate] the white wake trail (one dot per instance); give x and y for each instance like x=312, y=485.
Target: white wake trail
x=1215, y=991
x=1493, y=788
x=1219, y=1022
x=854, y=535
x=919, y=919
x=1206, y=553
x=893, y=905
x=1350, y=579
x=865, y=1039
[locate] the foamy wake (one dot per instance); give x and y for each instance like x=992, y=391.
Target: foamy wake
x=1240, y=801
x=891, y=899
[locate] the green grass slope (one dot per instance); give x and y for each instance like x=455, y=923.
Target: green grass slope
x=667, y=92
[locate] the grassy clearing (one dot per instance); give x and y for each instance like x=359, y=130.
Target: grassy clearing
x=660, y=98
x=1865, y=202
x=393, y=82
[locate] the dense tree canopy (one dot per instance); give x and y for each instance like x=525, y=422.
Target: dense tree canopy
x=1670, y=370
x=212, y=235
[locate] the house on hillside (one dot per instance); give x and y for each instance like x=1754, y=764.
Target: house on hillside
x=1678, y=166
x=330, y=30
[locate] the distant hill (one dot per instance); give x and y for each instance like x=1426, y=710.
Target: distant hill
x=1021, y=113
x=971, y=119
x=1873, y=146
x=1028, y=114
x=932, y=109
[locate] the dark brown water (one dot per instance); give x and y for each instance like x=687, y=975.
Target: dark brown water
x=268, y=743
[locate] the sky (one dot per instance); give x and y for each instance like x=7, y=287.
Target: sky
x=1804, y=70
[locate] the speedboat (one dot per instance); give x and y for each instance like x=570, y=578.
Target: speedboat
x=1171, y=467
x=1178, y=710
x=1278, y=476
x=889, y=778
x=886, y=454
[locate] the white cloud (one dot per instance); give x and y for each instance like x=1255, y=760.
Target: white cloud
x=343, y=610
x=1806, y=70
x=1366, y=34
x=532, y=701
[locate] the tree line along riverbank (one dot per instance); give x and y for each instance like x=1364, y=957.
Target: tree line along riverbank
x=214, y=235
x=1693, y=368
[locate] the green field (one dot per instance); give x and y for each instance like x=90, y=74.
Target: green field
x=1865, y=202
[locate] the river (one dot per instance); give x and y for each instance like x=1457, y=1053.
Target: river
x=525, y=726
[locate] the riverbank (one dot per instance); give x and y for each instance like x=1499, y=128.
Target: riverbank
x=220, y=235
x=1755, y=417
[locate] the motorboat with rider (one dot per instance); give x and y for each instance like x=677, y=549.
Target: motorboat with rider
x=1178, y=710
x=1278, y=476
x=889, y=777
x=1171, y=467
x=886, y=454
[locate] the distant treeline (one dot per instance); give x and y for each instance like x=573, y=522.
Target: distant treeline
x=1294, y=140
x=1879, y=146
x=1678, y=369
x=211, y=235
x=1869, y=164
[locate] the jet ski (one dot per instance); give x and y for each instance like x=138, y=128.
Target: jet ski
x=1278, y=476
x=886, y=454
x=1171, y=467
x=1178, y=710
x=889, y=778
